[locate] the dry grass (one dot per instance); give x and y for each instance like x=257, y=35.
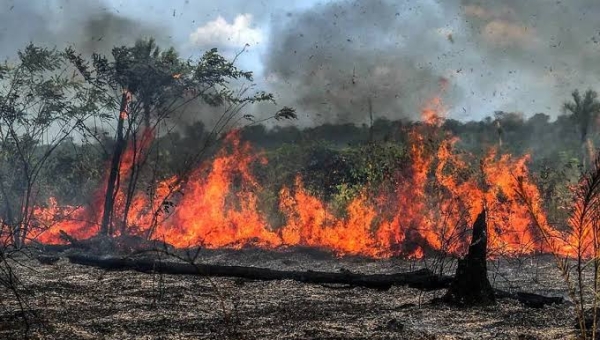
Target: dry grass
x=76, y=302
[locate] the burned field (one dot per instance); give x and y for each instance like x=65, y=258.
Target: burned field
x=80, y=302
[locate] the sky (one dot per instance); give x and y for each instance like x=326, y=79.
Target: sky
x=330, y=59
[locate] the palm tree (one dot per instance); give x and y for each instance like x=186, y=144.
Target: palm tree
x=583, y=111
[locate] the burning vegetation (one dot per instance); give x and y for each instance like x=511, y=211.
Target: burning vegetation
x=433, y=202
x=430, y=207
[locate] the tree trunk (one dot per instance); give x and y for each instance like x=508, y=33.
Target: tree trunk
x=111, y=185
x=6, y=216
x=25, y=220
x=131, y=184
x=587, y=154
x=138, y=159
x=471, y=286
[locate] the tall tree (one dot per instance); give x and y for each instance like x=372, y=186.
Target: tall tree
x=41, y=104
x=584, y=112
x=149, y=86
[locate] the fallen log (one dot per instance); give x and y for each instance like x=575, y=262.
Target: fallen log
x=47, y=259
x=422, y=279
x=529, y=299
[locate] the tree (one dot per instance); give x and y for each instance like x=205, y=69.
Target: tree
x=584, y=112
x=41, y=104
x=149, y=86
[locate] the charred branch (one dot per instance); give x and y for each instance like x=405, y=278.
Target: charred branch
x=530, y=299
x=422, y=279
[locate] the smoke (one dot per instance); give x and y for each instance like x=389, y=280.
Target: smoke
x=524, y=56
x=335, y=60
x=545, y=49
x=330, y=60
x=91, y=26
x=88, y=26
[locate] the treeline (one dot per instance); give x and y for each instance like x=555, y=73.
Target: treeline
x=334, y=158
x=539, y=135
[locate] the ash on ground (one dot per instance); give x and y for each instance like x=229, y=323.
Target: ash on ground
x=69, y=301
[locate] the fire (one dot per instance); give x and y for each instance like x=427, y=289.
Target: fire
x=84, y=222
x=310, y=224
x=211, y=214
x=430, y=209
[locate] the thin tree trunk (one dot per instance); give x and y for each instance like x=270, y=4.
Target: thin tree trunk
x=26, y=215
x=583, y=151
x=7, y=215
x=135, y=166
x=131, y=184
x=139, y=158
x=111, y=186
x=146, y=115
x=583, y=146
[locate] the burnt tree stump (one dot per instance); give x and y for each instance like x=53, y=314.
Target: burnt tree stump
x=471, y=286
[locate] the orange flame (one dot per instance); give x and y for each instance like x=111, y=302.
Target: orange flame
x=431, y=208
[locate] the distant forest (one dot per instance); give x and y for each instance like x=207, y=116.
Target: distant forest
x=332, y=157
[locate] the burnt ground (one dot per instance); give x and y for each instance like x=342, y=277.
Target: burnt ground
x=76, y=302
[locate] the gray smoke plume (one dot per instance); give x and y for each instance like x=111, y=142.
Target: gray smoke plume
x=88, y=26
x=511, y=55
x=332, y=59
x=335, y=59
x=536, y=51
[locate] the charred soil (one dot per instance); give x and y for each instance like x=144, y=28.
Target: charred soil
x=77, y=302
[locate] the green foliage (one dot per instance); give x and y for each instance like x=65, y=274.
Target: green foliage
x=75, y=171
x=161, y=82
x=37, y=93
x=337, y=175
x=40, y=106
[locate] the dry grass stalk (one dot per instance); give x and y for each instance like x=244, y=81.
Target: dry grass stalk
x=581, y=236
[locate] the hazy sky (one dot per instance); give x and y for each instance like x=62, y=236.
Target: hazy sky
x=330, y=58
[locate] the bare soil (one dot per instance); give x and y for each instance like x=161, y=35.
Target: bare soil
x=76, y=302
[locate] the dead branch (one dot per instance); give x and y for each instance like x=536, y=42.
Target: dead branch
x=422, y=279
